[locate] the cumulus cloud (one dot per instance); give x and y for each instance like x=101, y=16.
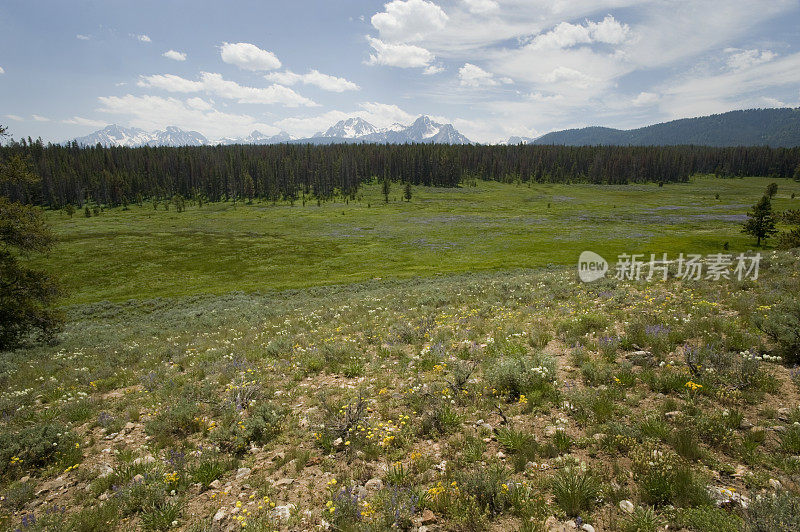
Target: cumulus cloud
x=143, y=38
x=82, y=37
x=474, y=76
x=174, y=55
x=81, y=121
x=398, y=55
x=248, y=56
x=409, y=20
x=215, y=84
x=313, y=77
x=154, y=112
x=433, y=69
x=741, y=59
x=570, y=76
x=645, y=98
x=565, y=35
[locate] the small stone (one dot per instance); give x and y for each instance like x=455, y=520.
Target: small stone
x=129, y=426
x=103, y=497
x=138, y=478
x=220, y=515
x=146, y=459
x=587, y=527
x=428, y=517
x=374, y=484
x=775, y=483
x=673, y=414
x=284, y=482
x=24, y=479
x=501, y=455
x=215, y=485
x=337, y=442
x=627, y=506
x=243, y=472
x=283, y=512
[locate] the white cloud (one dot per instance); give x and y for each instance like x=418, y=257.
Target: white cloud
x=81, y=121
x=82, y=37
x=217, y=85
x=433, y=69
x=565, y=35
x=174, y=55
x=2, y=71
x=645, y=98
x=313, y=77
x=39, y=118
x=398, y=55
x=482, y=6
x=409, y=20
x=248, y=56
x=539, y=97
x=741, y=59
x=474, y=76
x=15, y=117
x=570, y=76
x=199, y=104
x=170, y=82
x=142, y=37
x=154, y=112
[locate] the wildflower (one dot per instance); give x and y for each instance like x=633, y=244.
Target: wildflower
x=523, y=400
x=693, y=386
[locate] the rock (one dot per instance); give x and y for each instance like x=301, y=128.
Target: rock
x=550, y=431
x=103, y=496
x=428, y=517
x=243, y=472
x=775, y=484
x=129, y=426
x=24, y=479
x=220, y=515
x=215, y=485
x=672, y=415
x=338, y=442
x=104, y=470
x=283, y=512
x=373, y=485
x=740, y=471
x=501, y=455
x=138, y=478
x=627, y=506
x=745, y=424
x=587, y=527
x=284, y=482
x=784, y=413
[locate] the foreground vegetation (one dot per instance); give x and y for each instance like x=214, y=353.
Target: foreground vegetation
x=513, y=400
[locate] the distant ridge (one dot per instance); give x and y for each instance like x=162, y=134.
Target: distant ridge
x=753, y=127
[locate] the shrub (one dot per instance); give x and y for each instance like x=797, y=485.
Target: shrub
x=643, y=519
x=780, y=511
x=575, y=491
x=261, y=426
x=179, y=419
x=707, y=519
x=35, y=447
x=782, y=325
x=522, y=376
x=485, y=485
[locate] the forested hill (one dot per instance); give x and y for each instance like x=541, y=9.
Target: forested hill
x=753, y=127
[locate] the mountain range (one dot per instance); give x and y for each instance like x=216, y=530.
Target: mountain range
x=753, y=127
x=350, y=130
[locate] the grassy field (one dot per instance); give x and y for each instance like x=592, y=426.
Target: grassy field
x=143, y=253
x=295, y=368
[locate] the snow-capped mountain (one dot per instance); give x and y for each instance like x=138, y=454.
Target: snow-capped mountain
x=352, y=128
x=359, y=130
x=115, y=135
x=519, y=140
x=132, y=137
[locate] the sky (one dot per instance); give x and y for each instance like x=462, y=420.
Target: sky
x=492, y=68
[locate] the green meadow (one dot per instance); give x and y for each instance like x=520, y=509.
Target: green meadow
x=216, y=248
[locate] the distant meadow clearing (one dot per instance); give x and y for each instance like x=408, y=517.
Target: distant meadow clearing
x=146, y=252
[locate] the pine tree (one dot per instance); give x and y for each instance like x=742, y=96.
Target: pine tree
x=760, y=221
x=26, y=295
x=772, y=189
x=387, y=187
x=407, y=191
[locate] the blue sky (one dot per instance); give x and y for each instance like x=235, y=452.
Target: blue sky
x=493, y=68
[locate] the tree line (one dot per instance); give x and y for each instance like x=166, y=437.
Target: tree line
x=74, y=175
